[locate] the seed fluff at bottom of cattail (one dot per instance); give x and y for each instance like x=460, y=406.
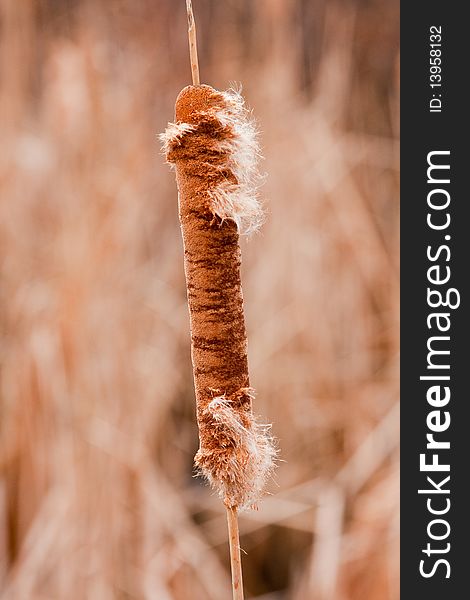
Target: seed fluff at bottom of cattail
x=237, y=453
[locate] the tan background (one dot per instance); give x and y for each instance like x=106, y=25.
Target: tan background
x=97, y=429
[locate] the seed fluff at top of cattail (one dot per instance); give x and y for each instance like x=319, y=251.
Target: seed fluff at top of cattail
x=237, y=197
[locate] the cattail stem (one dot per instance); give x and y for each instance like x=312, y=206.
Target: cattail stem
x=192, y=44
x=235, y=556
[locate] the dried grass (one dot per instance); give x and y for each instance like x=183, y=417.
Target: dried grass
x=97, y=432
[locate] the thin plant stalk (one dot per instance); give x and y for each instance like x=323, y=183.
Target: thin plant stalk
x=235, y=555
x=192, y=44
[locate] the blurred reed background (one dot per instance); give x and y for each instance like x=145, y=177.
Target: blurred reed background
x=97, y=435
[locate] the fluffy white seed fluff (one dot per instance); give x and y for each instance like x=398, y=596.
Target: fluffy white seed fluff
x=173, y=134
x=238, y=201
x=246, y=471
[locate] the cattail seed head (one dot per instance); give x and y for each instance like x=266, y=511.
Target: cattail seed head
x=224, y=138
x=214, y=149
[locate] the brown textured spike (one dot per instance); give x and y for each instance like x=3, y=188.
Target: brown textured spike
x=235, y=452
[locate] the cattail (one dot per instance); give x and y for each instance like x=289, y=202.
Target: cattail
x=213, y=146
